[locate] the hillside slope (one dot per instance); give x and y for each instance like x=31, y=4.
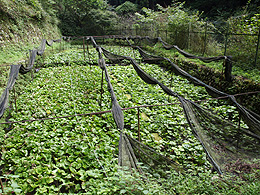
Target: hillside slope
x=25, y=23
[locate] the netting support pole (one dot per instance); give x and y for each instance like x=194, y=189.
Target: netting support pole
x=170, y=86
x=166, y=35
x=88, y=55
x=205, y=38
x=15, y=100
x=238, y=135
x=257, y=46
x=32, y=73
x=84, y=49
x=226, y=40
x=2, y=186
x=189, y=36
x=64, y=44
x=138, y=123
x=43, y=59
x=29, y=54
x=101, y=90
x=228, y=69
x=60, y=46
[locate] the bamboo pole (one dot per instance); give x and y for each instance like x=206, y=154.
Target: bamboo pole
x=138, y=123
x=257, y=46
x=101, y=90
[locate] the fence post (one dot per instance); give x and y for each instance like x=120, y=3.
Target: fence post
x=170, y=85
x=175, y=38
x=188, y=44
x=101, y=91
x=15, y=100
x=228, y=68
x=84, y=49
x=238, y=134
x=138, y=123
x=166, y=35
x=205, y=38
x=88, y=55
x=257, y=46
x=226, y=39
x=32, y=73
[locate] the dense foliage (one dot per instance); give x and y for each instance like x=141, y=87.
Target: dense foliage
x=79, y=154
x=27, y=21
x=143, y=3
x=84, y=17
x=222, y=9
x=175, y=20
x=249, y=26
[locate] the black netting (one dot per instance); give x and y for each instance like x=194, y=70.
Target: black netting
x=154, y=161
x=251, y=119
x=222, y=141
x=132, y=152
x=11, y=81
x=15, y=69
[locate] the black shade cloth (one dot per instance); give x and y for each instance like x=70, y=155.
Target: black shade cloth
x=222, y=140
x=15, y=69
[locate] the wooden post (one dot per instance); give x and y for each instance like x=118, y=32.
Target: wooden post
x=228, y=69
x=29, y=56
x=205, y=39
x=138, y=123
x=15, y=100
x=101, y=90
x=166, y=35
x=43, y=59
x=32, y=73
x=170, y=86
x=88, y=55
x=257, y=47
x=84, y=49
x=238, y=135
x=189, y=36
x=2, y=186
x=226, y=39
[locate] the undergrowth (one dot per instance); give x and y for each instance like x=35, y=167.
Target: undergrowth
x=246, y=71
x=79, y=154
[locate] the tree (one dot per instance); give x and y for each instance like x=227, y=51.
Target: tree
x=175, y=20
x=222, y=8
x=126, y=8
x=142, y=3
x=83, y=17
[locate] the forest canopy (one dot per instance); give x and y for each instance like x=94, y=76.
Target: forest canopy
x=95, y=17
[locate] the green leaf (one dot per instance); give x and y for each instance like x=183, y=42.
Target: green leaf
x=122, y=191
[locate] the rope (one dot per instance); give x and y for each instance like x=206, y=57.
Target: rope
x=128, y=108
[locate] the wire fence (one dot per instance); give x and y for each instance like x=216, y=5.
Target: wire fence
x=244, y=47
x=128, y=108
